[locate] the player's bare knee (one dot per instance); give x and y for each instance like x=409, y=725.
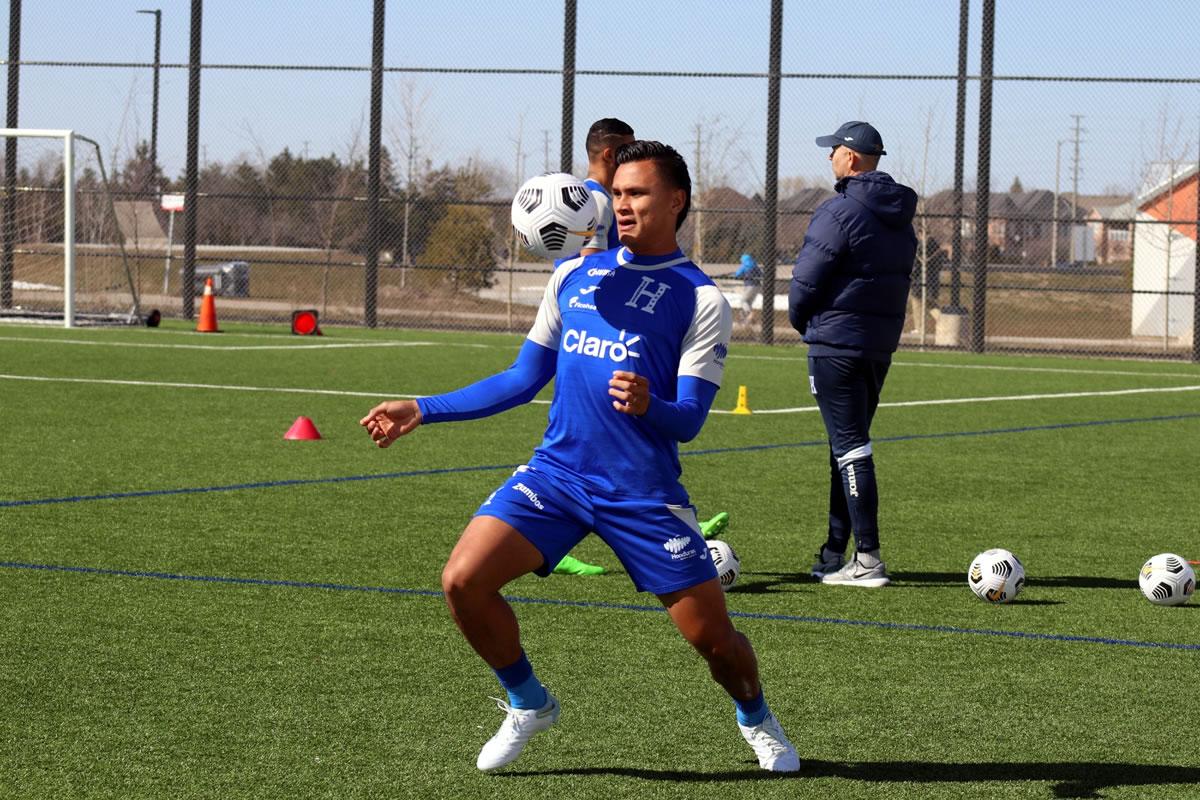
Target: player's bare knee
x=459, y=583
x=720, y=644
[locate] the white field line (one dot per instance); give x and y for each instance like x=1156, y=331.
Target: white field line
x=170, y=346
x=1000, y=368
x=998, y=399
x=356, y=343
x=219, y=386
x=796, y=410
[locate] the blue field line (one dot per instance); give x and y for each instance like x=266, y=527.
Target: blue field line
x=590, y=604
x=494, y=467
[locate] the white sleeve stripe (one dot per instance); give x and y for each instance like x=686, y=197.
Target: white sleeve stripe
x=547, y=327
x=707, y=341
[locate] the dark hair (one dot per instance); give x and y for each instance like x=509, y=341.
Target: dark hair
x=669, y=163
x=604, y=133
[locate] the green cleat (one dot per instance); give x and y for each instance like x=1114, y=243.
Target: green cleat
x=573, y=566
x=713, y=528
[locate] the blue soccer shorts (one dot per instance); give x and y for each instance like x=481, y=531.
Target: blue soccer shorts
x=658, y=543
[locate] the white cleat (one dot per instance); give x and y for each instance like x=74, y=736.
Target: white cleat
x=518, y=728
x=775, y=753
x=855, y=574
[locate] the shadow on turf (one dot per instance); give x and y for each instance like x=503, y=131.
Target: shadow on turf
x=1083, y=779
x=1053, y=581
x=772, y=582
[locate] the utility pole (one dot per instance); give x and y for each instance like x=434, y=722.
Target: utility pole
x=1054, y=210
x=1075, y=181
x=545, y=150
x=698, y=247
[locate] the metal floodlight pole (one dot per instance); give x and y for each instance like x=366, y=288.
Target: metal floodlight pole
x=769, y=256
x=983, y=187
x=960, y=133
x=374, y=212
x=10, y=155
x=568, y=91
x=154, y=103
x=192, y=170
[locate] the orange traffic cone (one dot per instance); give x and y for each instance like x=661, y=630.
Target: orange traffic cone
x=208, y=311
x=302, y=428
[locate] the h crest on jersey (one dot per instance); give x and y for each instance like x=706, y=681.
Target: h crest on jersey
x=652, y=295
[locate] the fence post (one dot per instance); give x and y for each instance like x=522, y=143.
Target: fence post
x=769, y=256
x=191, y=182
x=960, y=134
x=566, y=141
x=983, y=183
x=1195, y=274
x=374, y=220
x=10, y=153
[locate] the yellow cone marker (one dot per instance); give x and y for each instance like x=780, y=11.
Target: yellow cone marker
x=743, y=403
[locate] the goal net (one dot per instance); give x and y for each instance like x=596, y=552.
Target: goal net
x=64, y=244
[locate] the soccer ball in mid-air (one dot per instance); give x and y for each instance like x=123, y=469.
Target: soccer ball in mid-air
x=996, y=576
x=728, y=565
x=1167, y=580
x=554, y=214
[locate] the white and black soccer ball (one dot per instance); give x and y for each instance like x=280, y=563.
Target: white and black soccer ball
x=1167, y=580
x=728, y=565
x=554, y=214
x=996, y=576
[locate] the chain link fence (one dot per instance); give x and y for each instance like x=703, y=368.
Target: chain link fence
x=365, y=167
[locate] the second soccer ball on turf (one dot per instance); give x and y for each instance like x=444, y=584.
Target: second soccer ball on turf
x=1167, y=580
x=729, y=567
x=554, y=214
x=996, y=576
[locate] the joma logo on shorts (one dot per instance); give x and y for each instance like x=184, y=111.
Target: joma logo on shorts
x=574, y=341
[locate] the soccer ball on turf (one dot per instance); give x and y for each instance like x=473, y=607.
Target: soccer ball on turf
x=1167, y=580
x=726, y=561
x=554, y=214
x=996, y=576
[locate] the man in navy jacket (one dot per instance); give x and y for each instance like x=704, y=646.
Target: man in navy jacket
x=848, y=297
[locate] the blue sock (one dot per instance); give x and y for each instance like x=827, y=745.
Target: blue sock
x=525, y=691
x=751, y=712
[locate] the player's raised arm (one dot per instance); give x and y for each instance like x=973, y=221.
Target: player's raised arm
x=517, y=385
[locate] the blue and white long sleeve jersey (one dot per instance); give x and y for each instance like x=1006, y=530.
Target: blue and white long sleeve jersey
x=605, y=237
x=660, y=317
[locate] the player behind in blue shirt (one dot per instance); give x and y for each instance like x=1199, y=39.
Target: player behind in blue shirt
x=635, y=339
x=603, y=139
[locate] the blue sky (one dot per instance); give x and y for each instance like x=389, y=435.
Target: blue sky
x=478, y=116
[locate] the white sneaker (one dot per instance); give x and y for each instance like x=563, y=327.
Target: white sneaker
x=775, y=753
x=826, y=563
x=518, y=727
x=855, y=574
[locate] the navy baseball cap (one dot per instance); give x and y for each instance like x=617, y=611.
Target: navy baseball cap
x=858, y=136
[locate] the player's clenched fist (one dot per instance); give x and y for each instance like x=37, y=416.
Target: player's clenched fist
x=388, y=421
x=632, y=392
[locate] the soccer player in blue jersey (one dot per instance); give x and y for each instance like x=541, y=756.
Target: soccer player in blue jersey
x=635, y=339
x=604, y=138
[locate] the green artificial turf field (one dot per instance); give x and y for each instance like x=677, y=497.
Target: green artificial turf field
x=192, y=607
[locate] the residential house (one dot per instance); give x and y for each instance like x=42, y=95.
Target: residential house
x=1164, y=253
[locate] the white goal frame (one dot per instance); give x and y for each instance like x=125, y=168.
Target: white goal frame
x=68, y=138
